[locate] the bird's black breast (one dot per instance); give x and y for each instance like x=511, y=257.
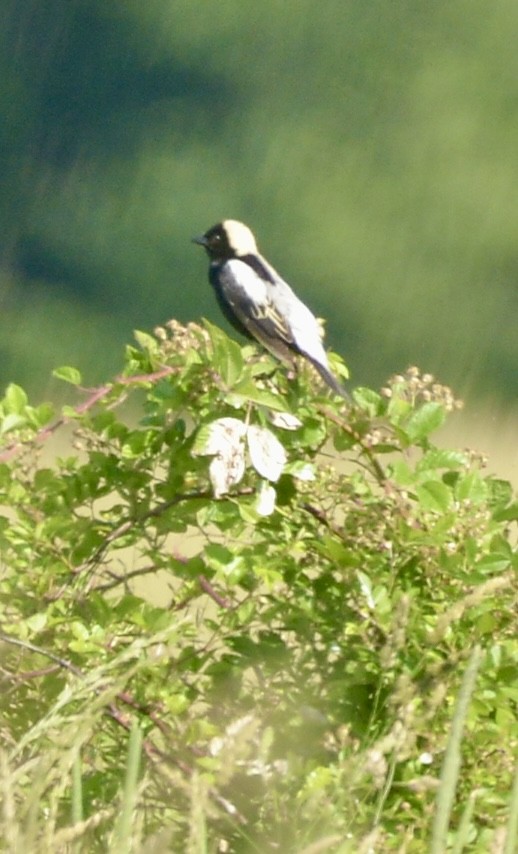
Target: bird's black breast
x=222, y=284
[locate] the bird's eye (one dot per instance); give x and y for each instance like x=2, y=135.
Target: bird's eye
x=215, y=239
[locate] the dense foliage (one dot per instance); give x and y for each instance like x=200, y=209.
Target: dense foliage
x=237, y=615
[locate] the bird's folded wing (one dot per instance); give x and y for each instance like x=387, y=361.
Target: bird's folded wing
x=251, y=298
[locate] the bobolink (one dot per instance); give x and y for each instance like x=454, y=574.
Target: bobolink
x=258, y=302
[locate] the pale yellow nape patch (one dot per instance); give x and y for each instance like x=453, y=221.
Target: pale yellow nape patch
x=240, y=238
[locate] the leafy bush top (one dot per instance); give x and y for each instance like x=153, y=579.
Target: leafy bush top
x=277, y=592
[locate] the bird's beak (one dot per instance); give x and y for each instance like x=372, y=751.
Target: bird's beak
x=201, y=240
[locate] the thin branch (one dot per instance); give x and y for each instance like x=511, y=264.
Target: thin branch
x=207, y=587
x=377, y=468
x=35, y=674
x=62, y=662
x=117, y=580
x=96, y=395
x=157, y=511
x=321, y=517
x=127, y=525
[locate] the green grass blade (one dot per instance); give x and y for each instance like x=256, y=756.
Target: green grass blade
x=461, y=837
x=451, y=763
x=123, y=831
x=77, y=791
x=511, y=837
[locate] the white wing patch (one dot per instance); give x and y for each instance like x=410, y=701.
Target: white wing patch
x=255, y=288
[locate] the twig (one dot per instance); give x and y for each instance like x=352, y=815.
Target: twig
x=207, y=587
x=321, y=517
x=63, y=662
x=96, y=395
x=378, y=470
x=126, y=526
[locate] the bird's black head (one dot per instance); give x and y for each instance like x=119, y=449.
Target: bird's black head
x=227, y=239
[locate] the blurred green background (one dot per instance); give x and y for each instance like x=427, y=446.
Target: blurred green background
x=372, y=146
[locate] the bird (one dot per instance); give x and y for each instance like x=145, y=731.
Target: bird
x=257, y=301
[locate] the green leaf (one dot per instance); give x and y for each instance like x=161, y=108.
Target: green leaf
x=366, y=587
x=507, y=514
x=301, y=470
x=37, y=622
x=370, y=401
x=148, y=342
x=248, y=392
x=313, y=432
x=434, y=495
x=248, y=511
x=12, y=422
x=15, y=399
x=494, y=564
x=402, y=473
x=70, y=412
x=228, y=360
x=338, y=365
x=437, y=458
x=398, y=410
x=471, y=487
x=68, y=375
x=224, y=562
x=500, y=492
x=423, y=421
x=218, y=556
x=41, y=415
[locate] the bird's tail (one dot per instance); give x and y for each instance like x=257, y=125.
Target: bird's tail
x=331, y=380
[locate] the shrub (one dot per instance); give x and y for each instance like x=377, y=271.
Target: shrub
x=237, y=614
